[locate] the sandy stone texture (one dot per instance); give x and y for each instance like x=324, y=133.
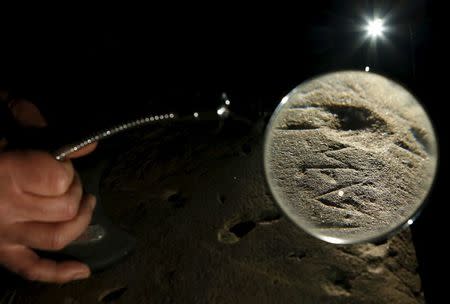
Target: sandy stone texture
x=350, y=155
x=209, y=231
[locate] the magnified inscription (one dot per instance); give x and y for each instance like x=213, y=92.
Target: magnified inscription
x=350, y=156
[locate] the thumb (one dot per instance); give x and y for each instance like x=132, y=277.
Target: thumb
x=83, y=151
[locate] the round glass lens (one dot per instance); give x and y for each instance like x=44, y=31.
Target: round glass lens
x=350, y=156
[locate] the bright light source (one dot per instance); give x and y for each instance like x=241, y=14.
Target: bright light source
x=227, y=102
x=367, y=69
x=410, y=222
x=375, y=27
x=221, y=111
x=195, y=114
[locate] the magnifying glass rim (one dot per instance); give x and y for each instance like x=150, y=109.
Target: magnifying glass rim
x=334, y=240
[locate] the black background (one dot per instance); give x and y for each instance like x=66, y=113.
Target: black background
x=87, y=68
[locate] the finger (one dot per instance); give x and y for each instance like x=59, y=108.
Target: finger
x=53, y=236
x=26, y=113
x=29, y=265
x=3, y=98
x=38, y=172
x=83, y=151
x=3, y=95
x=32, y=207
x=3, y=143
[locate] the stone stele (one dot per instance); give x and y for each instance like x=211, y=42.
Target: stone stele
x=208, y=231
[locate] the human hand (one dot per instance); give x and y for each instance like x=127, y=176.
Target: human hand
x=41, y=207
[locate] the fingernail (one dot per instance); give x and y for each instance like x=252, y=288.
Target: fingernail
x=92, y=201
x=80, y=275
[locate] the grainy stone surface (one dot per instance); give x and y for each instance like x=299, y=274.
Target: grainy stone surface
x=351, y=155
x=209, y=232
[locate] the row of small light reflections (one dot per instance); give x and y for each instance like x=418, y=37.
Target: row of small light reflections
x=61, y=154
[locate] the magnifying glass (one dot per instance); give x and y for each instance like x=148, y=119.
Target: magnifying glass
x=350, y=157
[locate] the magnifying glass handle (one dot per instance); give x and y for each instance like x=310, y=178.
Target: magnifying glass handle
x=102, y=244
